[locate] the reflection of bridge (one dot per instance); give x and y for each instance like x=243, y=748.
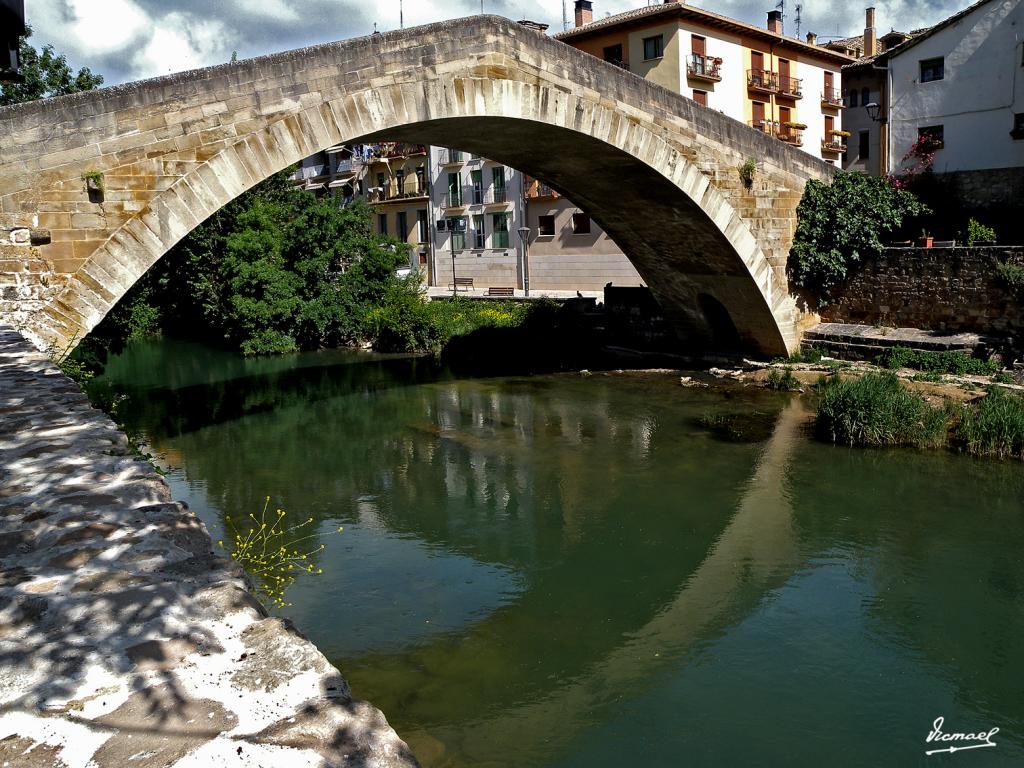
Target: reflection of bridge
x=118, y=176
x=755, y=553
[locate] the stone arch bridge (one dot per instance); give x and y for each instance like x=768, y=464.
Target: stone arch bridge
x=656, y=170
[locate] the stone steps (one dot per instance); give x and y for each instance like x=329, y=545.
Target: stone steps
x=848, y=341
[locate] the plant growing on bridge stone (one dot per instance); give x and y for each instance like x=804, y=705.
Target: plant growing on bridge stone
x=93, y=180
x=273, y=552
x=842, y=223
x=747, y=170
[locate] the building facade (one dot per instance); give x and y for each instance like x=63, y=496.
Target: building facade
x=783, y=86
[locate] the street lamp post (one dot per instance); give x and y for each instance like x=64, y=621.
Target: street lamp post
x=524, y=235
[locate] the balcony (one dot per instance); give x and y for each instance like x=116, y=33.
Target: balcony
x=620, y=64
x=833, y=145
x=790, y=87
x=451, y=157
x=410, y=189
x=762, y=80
x=832, y=97
x=396, y=149
x=454, y=200
x=704, y=68
x=496, y=196
x=765, y=126
x=794, y=136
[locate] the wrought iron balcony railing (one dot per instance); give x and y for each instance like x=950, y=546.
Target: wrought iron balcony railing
x=704, y=67
x=791, y=87
x=762, y=80
x=831, y=97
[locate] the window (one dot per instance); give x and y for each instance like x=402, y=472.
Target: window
x=479, y=235
x=580, y=224
x=1018, y=126
x=457, y=226
x=400, y=181
x=701, y=97
x=500, y=239
x=654, y=47
x=865, y=145
x=698, y=46
x=545, y=226
x=498, y=179
x=853, y=97
x=477, y=180
x=454, y=190
x=421, y=180
x=382, y=186
x=865, y=97
x=933, y=132
x=613, y=54
x=931, y=70
x=402, y=226
x=421, y=226
x=382, y=223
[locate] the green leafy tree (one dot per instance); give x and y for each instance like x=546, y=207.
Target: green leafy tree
x=841, y=224
x=46, y=74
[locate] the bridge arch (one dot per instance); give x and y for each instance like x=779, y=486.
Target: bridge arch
x=655, y=170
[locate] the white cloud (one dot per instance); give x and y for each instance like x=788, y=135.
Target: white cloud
x=107, y=26
x=278, y=10
x=179, y=42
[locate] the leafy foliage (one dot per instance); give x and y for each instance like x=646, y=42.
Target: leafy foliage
x=841, y=224
x=956, y=363
x=1012, y=276
x=877, y=410
x=978, y=232
x=46, y=74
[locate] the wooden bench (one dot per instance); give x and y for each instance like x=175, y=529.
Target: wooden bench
x=496, y=291
x=466, y=283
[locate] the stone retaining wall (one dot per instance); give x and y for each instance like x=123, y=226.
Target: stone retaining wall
x=941, y=289
x=124, y=639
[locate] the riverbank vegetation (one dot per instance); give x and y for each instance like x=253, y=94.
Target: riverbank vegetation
x=877, y=409
x=279, y=270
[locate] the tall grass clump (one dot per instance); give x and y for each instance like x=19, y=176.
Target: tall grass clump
x=877, y=410
x=993, y=426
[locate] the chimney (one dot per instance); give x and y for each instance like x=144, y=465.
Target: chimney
x=584, y=12
x=812, y=39
x=775, y=22
x=870, y=41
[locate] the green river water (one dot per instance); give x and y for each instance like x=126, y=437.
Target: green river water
x=574, y=571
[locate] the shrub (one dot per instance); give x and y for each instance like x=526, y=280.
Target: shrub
x=812, y=355
x=747, y=170
x=978, y=232
x=877, y=410
x=936, y=362
x=1012, y=276
x=993, y=426
x=841, y=224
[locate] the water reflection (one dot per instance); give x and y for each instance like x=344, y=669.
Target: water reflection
x=566, y=571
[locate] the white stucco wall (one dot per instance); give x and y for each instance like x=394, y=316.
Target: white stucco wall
x=982, y=88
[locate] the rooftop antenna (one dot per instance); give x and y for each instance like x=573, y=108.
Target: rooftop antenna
x=781, y=6
x=798, y=20
x=401, y=16
x=565, y=18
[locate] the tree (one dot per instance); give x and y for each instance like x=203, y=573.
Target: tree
x=46, y=74
x=841, y=224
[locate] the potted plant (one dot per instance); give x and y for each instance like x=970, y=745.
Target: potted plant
x=839, y=134
x=925, y=240
x=796, y=126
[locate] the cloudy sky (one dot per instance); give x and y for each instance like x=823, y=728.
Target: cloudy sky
x=133, y=39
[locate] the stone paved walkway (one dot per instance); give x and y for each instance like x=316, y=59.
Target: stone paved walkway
x=125, y=641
